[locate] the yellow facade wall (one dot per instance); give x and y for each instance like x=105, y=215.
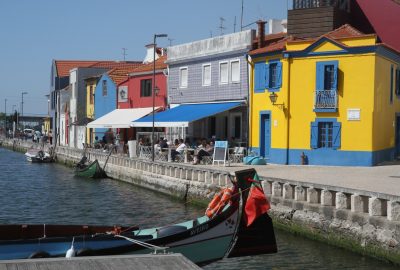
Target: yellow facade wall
x=355, y=91
x=385, y=110
x=90, y=88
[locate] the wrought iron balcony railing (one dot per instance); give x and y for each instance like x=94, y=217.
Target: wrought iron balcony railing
x=325, y=99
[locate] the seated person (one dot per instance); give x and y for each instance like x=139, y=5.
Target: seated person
x=204, y=149
x=179, y=149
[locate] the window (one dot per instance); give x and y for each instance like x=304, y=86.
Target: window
x=235, y=71
x=145, y=88
x=91, y=94
x=183, y=77
x=104, y=88
x=273, y=80
x=325, y=133
x=325, y=130
x=327, y=75
x=268, y=76
x=223, y=72
x=206, y=74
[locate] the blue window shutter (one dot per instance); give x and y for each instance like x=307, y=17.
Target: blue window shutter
x=259, y=77
x=314, y=135
x=336, y=135
x=320, y=76
x=279, y=75
x=266, y=80
x=335, y=77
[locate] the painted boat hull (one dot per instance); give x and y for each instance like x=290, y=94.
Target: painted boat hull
x=202, y=243
x=38, y=156
x=92, y=170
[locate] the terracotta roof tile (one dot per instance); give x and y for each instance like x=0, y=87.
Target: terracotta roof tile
x=344, y=31
x=120, y=74
x=64, y=66
x=160, y=64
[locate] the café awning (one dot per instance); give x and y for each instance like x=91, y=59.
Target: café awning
x=120, y=118
x=182, y=115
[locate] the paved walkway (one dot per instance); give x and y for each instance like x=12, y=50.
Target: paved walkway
x=382, y=179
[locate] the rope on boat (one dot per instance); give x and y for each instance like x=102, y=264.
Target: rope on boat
x=143, y=244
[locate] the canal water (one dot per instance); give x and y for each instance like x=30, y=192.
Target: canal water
x=49, y=193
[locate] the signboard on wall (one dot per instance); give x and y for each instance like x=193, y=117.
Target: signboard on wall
x=123, y=94
x=353, y=114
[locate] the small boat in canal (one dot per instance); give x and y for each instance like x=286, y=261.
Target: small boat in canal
x=38, y=156
x=90, y=169
x=234, y=217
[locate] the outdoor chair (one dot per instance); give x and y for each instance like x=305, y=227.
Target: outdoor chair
x=238, y=155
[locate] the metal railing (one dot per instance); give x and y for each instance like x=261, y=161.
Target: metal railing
x=301, y=4
x=325, y=99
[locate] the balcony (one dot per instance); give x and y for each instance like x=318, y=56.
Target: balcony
x=325, y=101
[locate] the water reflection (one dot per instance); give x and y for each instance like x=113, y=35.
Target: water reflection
x=49, y=193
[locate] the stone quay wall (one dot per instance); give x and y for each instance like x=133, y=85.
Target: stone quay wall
x=365, y=222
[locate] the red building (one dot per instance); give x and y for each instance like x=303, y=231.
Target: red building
x=136, y=92
x=139, y=86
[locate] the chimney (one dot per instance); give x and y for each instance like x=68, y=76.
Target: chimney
x=261, y=33
x=150, y=54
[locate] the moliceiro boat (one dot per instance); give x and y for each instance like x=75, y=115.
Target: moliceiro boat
x=85, y=168
x=235, y=224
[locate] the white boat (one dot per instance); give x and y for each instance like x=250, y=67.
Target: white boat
x=37, y=155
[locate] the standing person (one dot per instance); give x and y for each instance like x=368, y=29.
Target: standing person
x=50, y=137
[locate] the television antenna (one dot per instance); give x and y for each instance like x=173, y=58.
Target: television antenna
x=221, y=25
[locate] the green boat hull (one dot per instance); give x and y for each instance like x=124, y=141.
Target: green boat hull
x=92, y=170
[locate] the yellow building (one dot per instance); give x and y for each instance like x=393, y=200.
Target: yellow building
x=90, y=87
x=46, y=124
x=334, y=100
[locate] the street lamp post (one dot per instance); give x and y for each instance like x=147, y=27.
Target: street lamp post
x=5, y=116
x=154, y=90
x=22, y=107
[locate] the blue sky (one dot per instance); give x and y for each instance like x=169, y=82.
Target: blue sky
x=33, y=32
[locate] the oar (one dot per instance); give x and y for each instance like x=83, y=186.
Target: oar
x=108, y=156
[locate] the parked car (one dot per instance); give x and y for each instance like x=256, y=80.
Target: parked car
x=28, y=132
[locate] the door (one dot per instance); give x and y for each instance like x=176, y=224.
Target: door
x=397, y=135
x=265, y=135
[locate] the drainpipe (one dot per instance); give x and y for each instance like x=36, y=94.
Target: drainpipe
x=288, y=109
x=249, y=99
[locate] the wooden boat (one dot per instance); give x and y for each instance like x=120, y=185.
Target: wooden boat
x=38, y=156
x=89, y=169
x=202, y=240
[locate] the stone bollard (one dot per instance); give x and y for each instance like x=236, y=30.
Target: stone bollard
x=312, y=195
x=287, y=191
x=276, y=189
x=375, y=207
x=223, y=180
x=195, y=175
x=341, y=201
x=357, y=203
x=326, y=198
x=299, y=193
x=267, y=187
x=393, y=210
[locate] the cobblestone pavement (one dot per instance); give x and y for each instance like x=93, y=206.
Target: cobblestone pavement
x=382, y=179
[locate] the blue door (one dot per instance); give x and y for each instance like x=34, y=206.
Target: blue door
x=397, y=136
x=265, y=136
